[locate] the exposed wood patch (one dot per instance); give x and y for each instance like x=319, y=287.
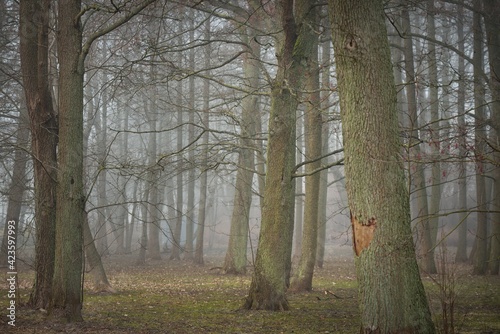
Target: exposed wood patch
x=362, y=232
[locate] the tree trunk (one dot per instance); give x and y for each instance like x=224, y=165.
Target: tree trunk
x=435, y=140
x=101, y=235
x=35, y=69
x=492, y=13
x=190, y=215
x=133, y=217
x=461, y=255
x=236, y=256
x=176, y=236
x=480, y=253
x=273, y=261
x=143, y=242
x=70, y=197
x=101, y=283
x=18, y=183
x=391, y=295
x=417, y=175
x=302, y=280
x=299, y=189
x=200, y=231
x=154, y=213
x=323, y=190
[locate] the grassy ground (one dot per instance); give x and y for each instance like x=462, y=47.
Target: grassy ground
x=173, y=297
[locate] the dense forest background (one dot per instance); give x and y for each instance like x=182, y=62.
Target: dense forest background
x=145, y=128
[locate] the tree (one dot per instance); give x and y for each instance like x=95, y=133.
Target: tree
x=18, y=183
x=461, y=255
x=435, y=140
x=417, y=174
x=391, y=294
x=480, y=252
x=492, y=13
x=34, y=42
x=236, y=256
x=273, y=261
x=200, y=231
x=302, y=280
x=70, y=208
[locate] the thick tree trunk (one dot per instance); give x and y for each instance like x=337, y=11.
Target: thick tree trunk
x=34, y=65
x=70, y=196
x=391, y=295
x=273, y=261
x=492, y=13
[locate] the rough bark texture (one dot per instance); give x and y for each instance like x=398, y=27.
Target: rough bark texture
x=391, y=294
x=70, y=195
x=273, y=261
x=492, y=24
x=43, y=124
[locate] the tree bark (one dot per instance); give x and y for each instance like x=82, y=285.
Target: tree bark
x=391, y=295
x=179, y=200
x=43, y=124
x=435, y=140
x=190, y=215
x=492, y=25
x=70, y=196
x=417, y=174
x=18, y=183
x=101, y=282
x=236, y=256
x=200, y=232
x=101, y=235
x=461, y=255
x=273, y=261
x=323, y=190
x=480, y=253
x=303, y=276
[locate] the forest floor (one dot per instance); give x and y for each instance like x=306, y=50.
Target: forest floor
x=179, y=297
